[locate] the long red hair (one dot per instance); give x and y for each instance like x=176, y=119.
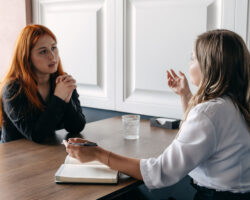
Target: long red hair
x=21, y=68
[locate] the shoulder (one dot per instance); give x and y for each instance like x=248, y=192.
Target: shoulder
x=11, y=89
x=215, y=108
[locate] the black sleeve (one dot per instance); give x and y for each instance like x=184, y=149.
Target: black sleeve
x=33, y=124
x=74, y=119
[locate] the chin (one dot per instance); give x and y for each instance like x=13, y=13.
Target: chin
x=195, y=82
x=54, y=70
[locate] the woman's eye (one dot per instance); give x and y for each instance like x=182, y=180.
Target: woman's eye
x=43, y=52
x=53, y=48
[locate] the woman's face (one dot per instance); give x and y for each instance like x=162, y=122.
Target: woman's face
x=195, y=70
x=44, y=56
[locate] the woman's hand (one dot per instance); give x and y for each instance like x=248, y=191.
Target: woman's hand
x=178, y=84
x=130, y=166
x=65, y=85
x=81, y=153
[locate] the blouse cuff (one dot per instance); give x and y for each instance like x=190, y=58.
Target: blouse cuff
x=145, y=174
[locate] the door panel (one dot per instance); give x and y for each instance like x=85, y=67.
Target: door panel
x=84, y=32
x=159, y=35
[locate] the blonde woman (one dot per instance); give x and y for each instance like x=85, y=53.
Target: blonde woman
x=213, y=143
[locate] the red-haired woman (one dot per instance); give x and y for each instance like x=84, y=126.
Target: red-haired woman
x=36, y=96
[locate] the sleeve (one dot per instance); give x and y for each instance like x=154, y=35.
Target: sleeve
x=74, y=119
x=33, y=125
x=195, y=142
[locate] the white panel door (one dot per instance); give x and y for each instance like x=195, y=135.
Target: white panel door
x=235, y=16
x=158, y=35
x=85, y=40
x=248, y=25
x=248, y=31
x=119, y=50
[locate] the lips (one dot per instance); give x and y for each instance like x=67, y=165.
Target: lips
x=52, y=64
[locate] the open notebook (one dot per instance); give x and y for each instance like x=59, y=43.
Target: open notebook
x=73, y=171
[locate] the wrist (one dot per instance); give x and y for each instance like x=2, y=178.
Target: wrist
x=102, y=155
x=59, y=96
x=186, y=94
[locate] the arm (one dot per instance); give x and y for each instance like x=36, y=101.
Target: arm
x=74, y=119
x=180, y=86
x=194, y=144
x=126, y=165
x=33, y=124
x=185, y=100
x=130, y=166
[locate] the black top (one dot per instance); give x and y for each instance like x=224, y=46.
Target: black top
x=20, y=120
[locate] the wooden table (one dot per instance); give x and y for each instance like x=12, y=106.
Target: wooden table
x=27, y=169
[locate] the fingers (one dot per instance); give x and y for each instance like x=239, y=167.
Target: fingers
x=172, y=78
x=65, y=78
x=67, y=81
x=65, y=143
x=77, y=140
x=72, y=150
x=182, y=74
x=170, y=81
x=174, y=74
x=76, y=151
x=169, y=75
x=60, y=78
x=71, y=86
x=65, y=85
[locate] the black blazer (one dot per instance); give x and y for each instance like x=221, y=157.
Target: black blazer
x=21, y=120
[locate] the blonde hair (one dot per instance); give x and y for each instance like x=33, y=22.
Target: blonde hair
x=225, y=65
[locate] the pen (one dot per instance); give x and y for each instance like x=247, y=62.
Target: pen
x=84, y=144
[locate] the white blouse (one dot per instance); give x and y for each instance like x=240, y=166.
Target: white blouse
x=212, y=146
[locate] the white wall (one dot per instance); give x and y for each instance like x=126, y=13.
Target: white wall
x=119, y=50
x=13, y=19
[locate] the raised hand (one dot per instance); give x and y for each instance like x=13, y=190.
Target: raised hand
x=179, y=85
x=65, y=85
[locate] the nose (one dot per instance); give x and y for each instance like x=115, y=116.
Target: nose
x=51, y=55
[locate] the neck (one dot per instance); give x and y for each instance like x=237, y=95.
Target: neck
x=43, y=79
